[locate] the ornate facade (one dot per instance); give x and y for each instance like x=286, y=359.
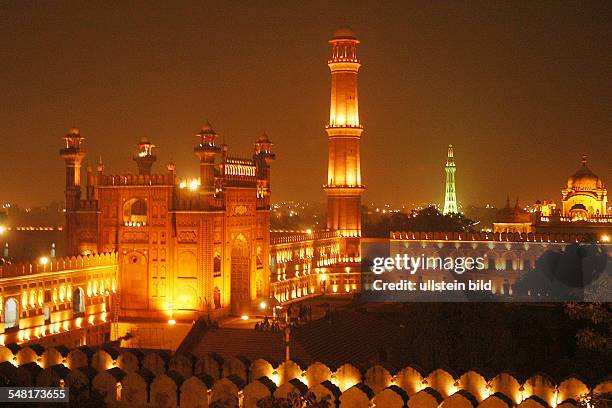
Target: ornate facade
x=183, y=246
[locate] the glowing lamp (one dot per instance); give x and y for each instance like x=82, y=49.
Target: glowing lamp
x=171, y=322
x=2, y=229
x=244, y=317
x=605, y=238
x=43, y=260
x=263, y=305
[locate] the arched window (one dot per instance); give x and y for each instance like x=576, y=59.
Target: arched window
x=11, y=314
x=217, y=298
x=135, y=213
x=217, y=265
x=78, y=301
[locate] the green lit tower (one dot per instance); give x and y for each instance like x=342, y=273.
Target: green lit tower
x=450, y=198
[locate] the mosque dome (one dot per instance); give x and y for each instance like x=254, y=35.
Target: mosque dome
x=514, y=214
x=344, y=32
x=584, y=179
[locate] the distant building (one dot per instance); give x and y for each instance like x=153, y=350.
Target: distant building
x=512, y=219
x=585, y=195
x=583, y=207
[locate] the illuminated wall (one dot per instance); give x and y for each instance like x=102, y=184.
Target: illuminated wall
x=58, y=301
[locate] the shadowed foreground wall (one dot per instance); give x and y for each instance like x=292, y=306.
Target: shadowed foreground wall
x=156, y=378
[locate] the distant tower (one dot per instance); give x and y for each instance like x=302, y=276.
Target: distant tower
x=144, y=156
x=450, y=198
x=207, y=152
x=343, y=185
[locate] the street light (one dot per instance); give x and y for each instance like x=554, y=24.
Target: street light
x=2, y=229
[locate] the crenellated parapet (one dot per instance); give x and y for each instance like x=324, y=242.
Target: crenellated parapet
x=136, y=376
x=489, y=236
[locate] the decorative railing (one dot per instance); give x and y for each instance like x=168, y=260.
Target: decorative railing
x=300, y=236
x=489, y=236
x=137, y=180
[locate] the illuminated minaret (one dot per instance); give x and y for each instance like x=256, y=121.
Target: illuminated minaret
x=263, y=158
x=344, y=130
x=450, y=197
x=207, y=152
x=144, y=156
x=73, y=154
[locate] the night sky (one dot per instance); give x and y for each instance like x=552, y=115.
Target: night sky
x=522, y=89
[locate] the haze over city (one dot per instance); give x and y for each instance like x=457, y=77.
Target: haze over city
x=520, y=90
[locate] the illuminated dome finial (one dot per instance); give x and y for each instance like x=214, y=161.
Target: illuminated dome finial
x=584, y=178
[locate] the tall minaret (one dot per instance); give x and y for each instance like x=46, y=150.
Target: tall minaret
x=73, y=154
x=450, y=198
x=344, y=186
x=207, y=151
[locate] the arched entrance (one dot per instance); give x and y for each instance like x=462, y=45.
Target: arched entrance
x=78, y=301
x=239, y=278
x=134, y=281
x=11, y=314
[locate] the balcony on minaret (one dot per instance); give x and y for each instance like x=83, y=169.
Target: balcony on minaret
x=207, y=137
x=144, y=157
x=73, y=141
x=344, y=46
x=344, y=65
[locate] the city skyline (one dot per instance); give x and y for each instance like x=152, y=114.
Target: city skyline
x=520, y=123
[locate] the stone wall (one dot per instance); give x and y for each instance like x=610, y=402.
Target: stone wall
x=156, y=378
